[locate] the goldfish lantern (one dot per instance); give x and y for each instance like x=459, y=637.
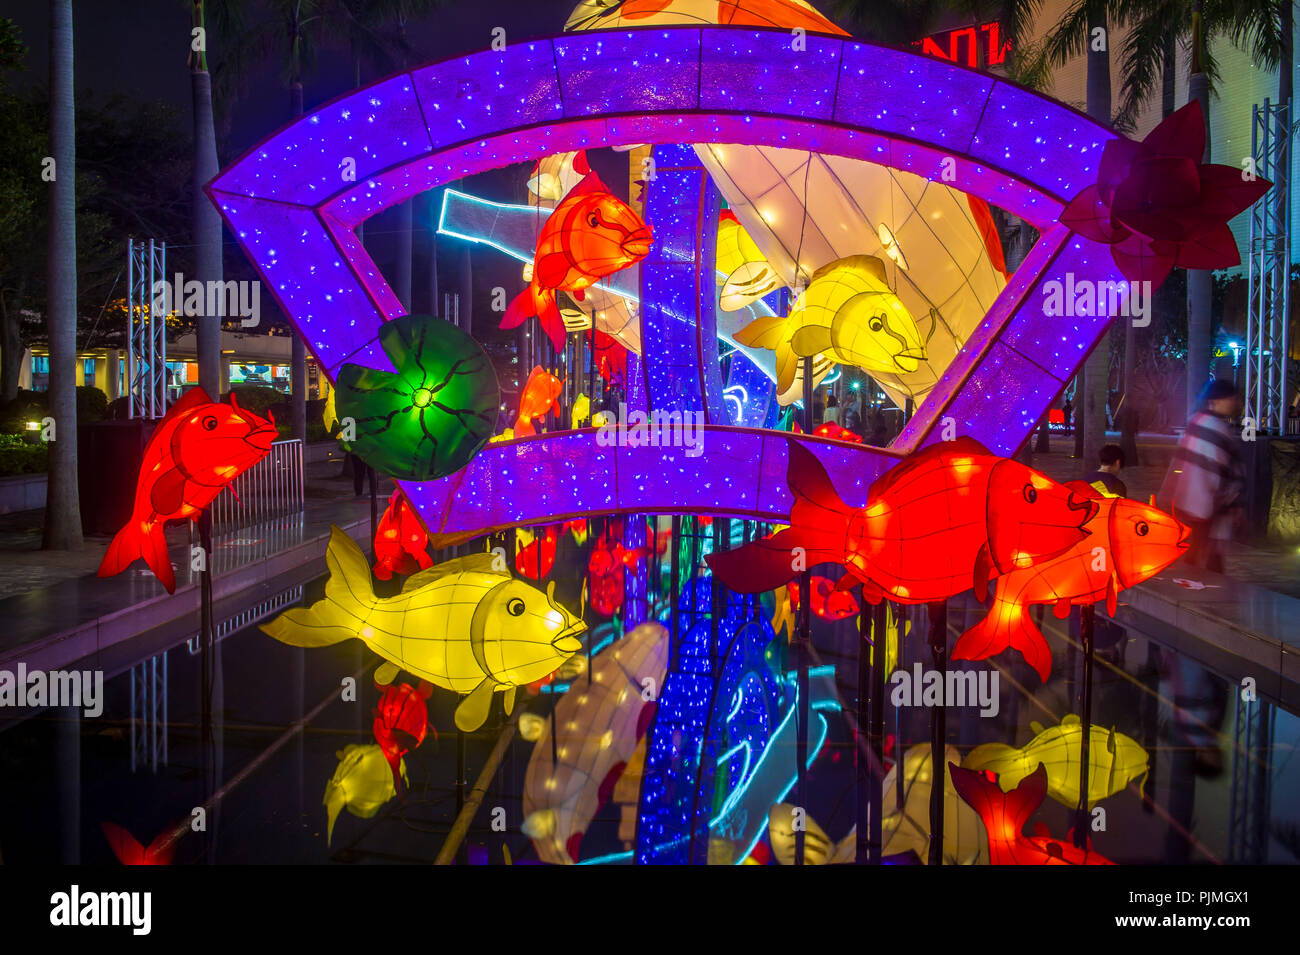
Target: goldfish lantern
x=401, y=542
x=746, y=275
x=1128, y=542
x=536, y=555
x=1005, y=814
x=589, y=236
x=129, y=851
x=361, y=784
x=554, y=177
x=817, y=847
x=401, y=721
x=198, y=448
x=1115, y=761
x=849, y=315
x=906, y=825
x=434, y=413
x=540, y=397
x=945, y=519
x=462, y=625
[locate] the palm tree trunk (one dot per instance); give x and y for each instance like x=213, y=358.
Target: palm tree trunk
x=207, y=221
x=1198, y=280
x=1090, y=408
x=297, y=348
x=62, y=503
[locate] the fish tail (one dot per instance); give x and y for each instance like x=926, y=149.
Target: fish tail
x=548, y=315
x=1007, y=626
x=340, y=614
x=140, y=539
x=521, y=308
x=1004, y=814
x=818, y=521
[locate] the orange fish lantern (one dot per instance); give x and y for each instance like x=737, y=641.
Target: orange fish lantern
x=402, y=721
x=589, y=236
x=401, y=542
x=129, y=851
x=536, y=557
x=1005, y=815
x=1128, y=542
x=605, y=568
x=539, y=398
x=827, y=602
x=948, y=518
x=198, y=448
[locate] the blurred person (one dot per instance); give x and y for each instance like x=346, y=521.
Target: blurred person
x=832, y=413
x=1106, y=478
x=1205, y=485
x=1068, y=409
x=853, y=422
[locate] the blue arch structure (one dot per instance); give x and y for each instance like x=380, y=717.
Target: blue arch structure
x=294, y=203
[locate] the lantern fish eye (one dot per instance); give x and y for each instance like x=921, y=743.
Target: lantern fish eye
x=592, y=220
x=875, y=324
x=1031, y=493
x=515, y=607
x=209, y=423
x=1142, y=528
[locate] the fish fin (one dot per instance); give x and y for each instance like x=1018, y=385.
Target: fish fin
x=386, y=673
x=872, y=593
x=1004, y=814
x=509, y=699
x=1036, y=727
x=521, y=308
x=335, y=800
x=473, y=710
x=846, y=582
x=136, y=540
x=811, y=340
x=548, y=315
x=550, y=270
x=168, y=492
x=484, y=563
x=1112, y=592
x=1061, y=609
x=125, y=846
x=984, y=570
x=579, y=295
x=348, y=589
x=302, y=627
x=765, y=332
x=787, y=368
x=1007, y=626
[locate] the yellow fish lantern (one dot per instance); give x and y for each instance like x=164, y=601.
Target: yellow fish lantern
x=747, y=276
x=581, y=411
x=817, y=846
x=1116, y=760
x=462, y=625
x=848, y=315
x=907, y=827
x=361, y=784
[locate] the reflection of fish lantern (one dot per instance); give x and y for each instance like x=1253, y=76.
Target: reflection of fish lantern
x=746, y=275
x=401, y=543
x=1116, y=760
x=906, y=827
x=1005, y=815
x=362, y=783
x=944, y=519
x=849, y=315
x=589, y=236
x=434, y=413
x=607, y=15
x=461, y=625
x=827, y=602
x=401, y=721
x=198, y=448
x=129, y=851
x=1127, y=543
x=535, y=556
x=605, y=568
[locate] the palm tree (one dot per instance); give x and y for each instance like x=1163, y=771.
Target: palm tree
x=207, y=221
x=62, y=503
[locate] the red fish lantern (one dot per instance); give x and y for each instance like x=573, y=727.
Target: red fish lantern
x=198, y=448
x=1127, y=543
x=1005, y=815
x=590, y=235
x=401, y=543
x=129, y=851
x=609, y=355
x=539, y=398
x=536, y=558
x=605, y=568
x=401, y=721
x=827, y=602
x=948, y=518
x=833, y=431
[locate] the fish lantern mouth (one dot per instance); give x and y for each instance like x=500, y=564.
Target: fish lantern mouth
x=1184, y=536
x=910, y=359
x=566, y=641
x=1089, y=507
x=638, y=243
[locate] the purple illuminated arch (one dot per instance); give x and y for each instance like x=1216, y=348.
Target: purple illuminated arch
x=295, y=201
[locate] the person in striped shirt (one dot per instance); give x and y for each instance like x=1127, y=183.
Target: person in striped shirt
x=1205, y=484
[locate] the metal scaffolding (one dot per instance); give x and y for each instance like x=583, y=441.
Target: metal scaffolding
x=146, y=329
x=1248, y=811
x=149, y=713
x=1269, y=289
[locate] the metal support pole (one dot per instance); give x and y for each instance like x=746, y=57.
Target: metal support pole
x=805, y=639
x=1087, y=623
x=866, y=811
x=938, y=730
x=879, y=647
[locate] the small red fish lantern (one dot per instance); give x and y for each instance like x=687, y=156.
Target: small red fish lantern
x=590, y=235
x=948, y=518
x=401, y=721
x=827, y=602
x=198, y=448
x=833, y=431
x=129, y=851
x=539, y=398
x=1128, y=542
x=1005, y=815
x=605, y=568
x=609, y=355
x=536, y=558
x=401, y=543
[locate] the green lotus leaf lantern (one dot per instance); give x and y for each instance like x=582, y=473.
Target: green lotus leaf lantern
x=434, y=413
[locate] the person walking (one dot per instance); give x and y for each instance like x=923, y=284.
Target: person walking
x=832, y=413
x=1205, y=485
